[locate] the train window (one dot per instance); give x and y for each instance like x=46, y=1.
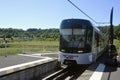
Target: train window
x=73, y=40
x=79, y=38
x=66, y=34
x=88, y=45
x=66, y=31
x=78, y=31
x=96, y=42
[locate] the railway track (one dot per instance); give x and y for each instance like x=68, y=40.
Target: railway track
x=69, y=73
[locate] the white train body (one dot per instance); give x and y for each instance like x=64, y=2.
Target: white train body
x=80, y=42
x=79, y=58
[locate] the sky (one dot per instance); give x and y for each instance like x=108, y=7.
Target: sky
x=45, y=14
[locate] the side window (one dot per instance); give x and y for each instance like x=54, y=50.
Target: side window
x=89, y=36
x=89, y=40
x=96, y=41
x=97, y=37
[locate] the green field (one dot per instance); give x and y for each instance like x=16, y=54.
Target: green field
x=117, y=43
x=22, y=46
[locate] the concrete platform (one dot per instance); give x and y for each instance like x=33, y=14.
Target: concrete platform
x=112, y=73
x=100, y=71
x=12, y=67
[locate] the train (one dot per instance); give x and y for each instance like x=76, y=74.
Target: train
x=80, y=42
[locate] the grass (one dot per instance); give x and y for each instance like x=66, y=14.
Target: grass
x=17, y=47
x=117, y=43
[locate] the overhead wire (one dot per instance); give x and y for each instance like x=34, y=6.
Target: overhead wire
x=87, y=14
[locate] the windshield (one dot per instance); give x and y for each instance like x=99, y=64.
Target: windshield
x=72, y=39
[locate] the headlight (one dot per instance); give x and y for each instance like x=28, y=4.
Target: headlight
x=62, y=50
x=80, y=51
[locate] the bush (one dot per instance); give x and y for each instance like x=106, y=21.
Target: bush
x=2, y=45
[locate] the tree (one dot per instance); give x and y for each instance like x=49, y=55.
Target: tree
x=117, y=32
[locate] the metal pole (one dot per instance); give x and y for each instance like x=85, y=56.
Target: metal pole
x=111, y=33
x=5, y=48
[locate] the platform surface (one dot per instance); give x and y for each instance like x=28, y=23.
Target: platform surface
x=101, y=71
x=18, y=62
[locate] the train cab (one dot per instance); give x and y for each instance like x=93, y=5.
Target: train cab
x=76, y=41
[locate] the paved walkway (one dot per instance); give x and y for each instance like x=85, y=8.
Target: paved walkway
x=14, y=63
x=104, y=69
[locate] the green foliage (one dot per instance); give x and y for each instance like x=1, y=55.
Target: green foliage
x=117, y=43
x=46, y=34
x=117, y=32
x=31, y=40
x=30, y=33
x=105, y=30
x=2, y=45
x=38, y=40
x=20, y=46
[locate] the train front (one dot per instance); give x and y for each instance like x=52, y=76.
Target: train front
x=75, y=41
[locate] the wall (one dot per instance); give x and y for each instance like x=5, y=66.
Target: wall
x=31, y=73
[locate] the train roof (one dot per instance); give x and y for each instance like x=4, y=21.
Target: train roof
x=77, y=23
